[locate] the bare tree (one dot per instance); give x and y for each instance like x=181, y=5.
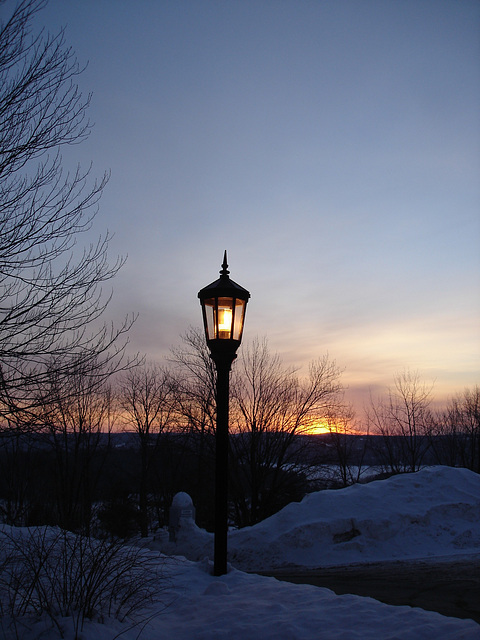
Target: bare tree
x=77, y=414
x=350, y=447
x=195, y=375
x=404, y=421
x=17, y=459
x=456, y=436
x=50, y=290
x=447, y=440
x=147, y=402
x=467, y=407
x=195, y=387
x=271, y=408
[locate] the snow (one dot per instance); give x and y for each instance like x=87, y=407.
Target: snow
x=433, y=513
x=182, y=501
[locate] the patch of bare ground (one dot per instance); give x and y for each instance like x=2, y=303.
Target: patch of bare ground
x=450, y=587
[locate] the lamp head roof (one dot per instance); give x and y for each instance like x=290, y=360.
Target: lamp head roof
x=224, y=287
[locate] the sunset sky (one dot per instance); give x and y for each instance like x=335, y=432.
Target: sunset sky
x=332, y=147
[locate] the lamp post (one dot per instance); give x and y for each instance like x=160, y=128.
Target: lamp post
x=224, y=303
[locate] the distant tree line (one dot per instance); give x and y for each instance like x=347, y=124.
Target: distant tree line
x=109, y=458
x=69, y=466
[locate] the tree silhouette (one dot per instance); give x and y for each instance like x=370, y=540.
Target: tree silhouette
x=51, y=295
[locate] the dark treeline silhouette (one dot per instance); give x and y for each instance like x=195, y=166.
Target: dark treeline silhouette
x=33, y=495
x=68, y=470
x=65, y=465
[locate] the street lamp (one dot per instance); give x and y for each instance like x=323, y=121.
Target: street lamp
x=224, y=303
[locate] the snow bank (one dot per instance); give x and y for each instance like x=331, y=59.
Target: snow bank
x=239, y=606
x=429, y=513
x=434, y=512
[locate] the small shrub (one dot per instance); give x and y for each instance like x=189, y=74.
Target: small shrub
x=45, y=570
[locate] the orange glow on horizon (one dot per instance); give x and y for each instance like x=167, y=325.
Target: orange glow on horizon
x=319, y=427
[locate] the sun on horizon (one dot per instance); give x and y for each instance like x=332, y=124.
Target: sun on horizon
x=319, y=427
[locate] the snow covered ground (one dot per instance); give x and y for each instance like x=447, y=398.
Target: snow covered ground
x=434, y=513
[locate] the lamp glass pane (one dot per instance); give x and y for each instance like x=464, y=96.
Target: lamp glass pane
x=209, y=306
x=239, y=316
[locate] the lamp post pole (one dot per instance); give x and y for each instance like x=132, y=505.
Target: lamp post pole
x=223, y=307
x=223, y=366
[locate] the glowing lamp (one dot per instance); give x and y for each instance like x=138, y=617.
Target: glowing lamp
x=224, y=303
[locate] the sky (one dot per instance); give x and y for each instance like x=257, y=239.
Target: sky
x=332, y=147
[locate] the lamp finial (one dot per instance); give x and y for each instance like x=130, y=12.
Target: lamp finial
x=224, y=271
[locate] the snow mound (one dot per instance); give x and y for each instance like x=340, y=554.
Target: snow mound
x=431, y=513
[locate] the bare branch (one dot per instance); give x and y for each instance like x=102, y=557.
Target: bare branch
x=51, y=289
